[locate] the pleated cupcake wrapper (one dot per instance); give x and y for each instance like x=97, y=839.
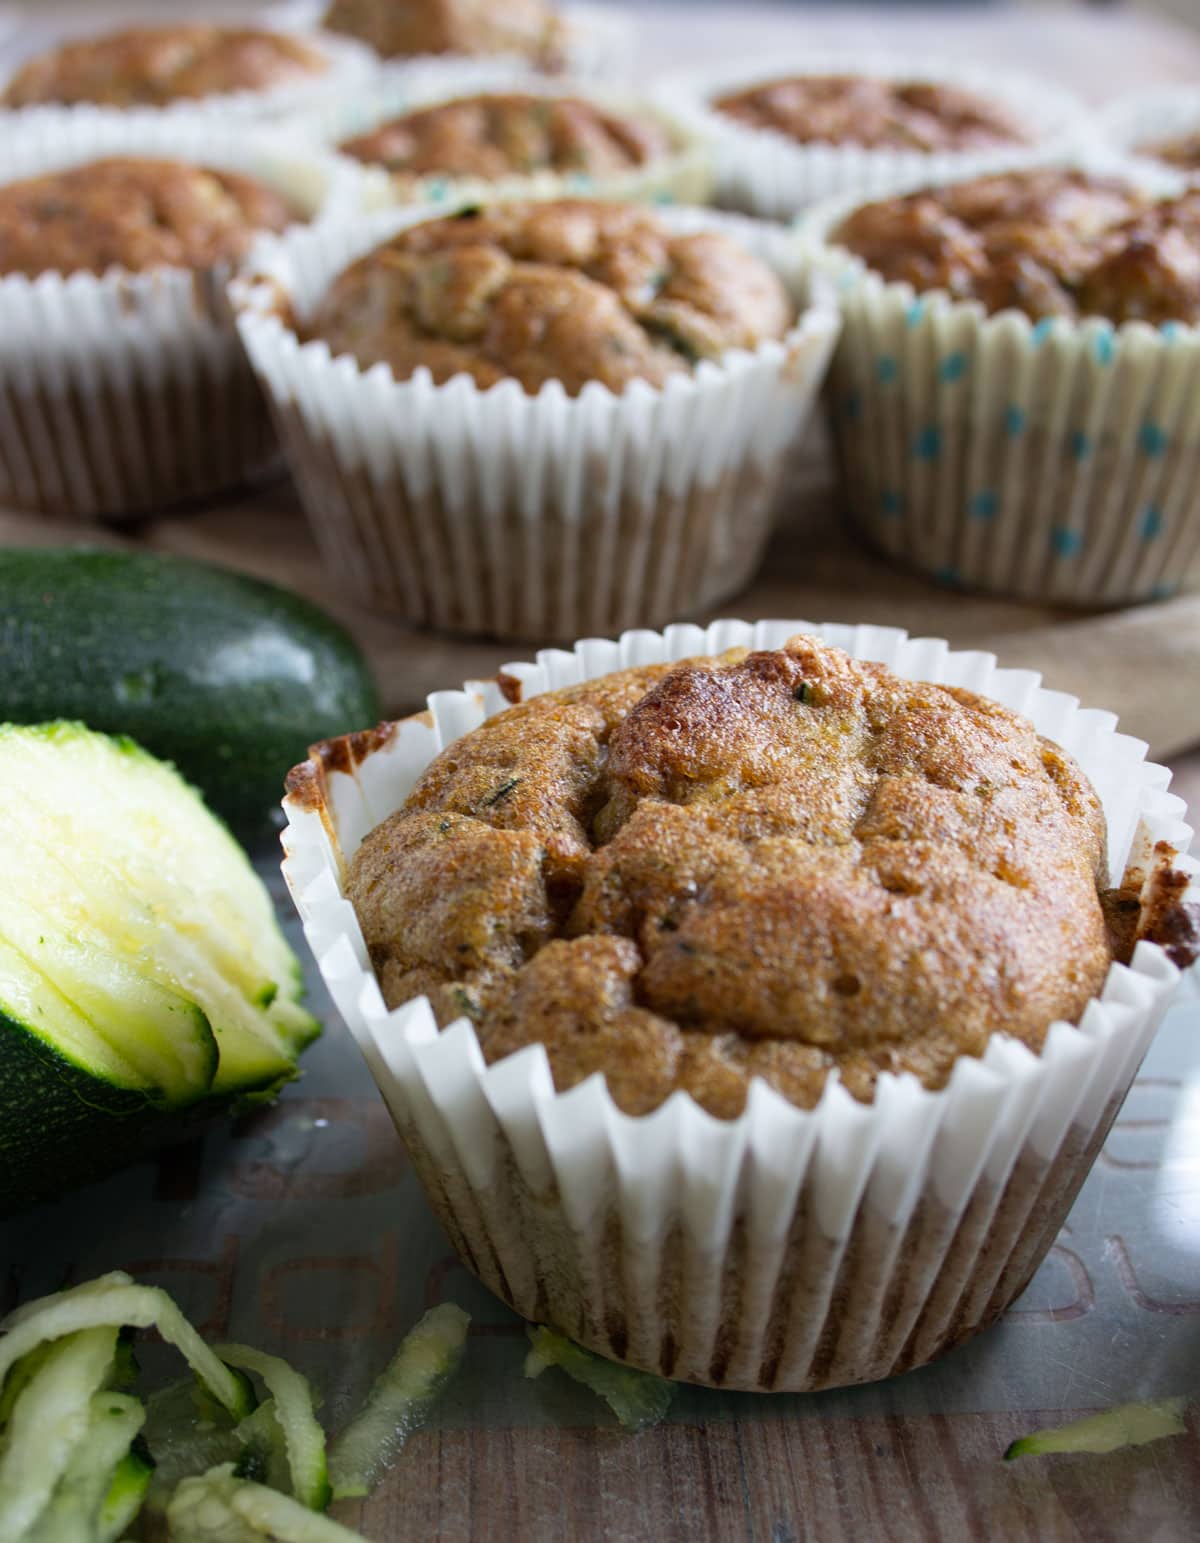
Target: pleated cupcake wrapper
x=787, y=1249
x=352, y=65
x=765, y=173
x=530, y=516
x=1056, y=461
x=684, y=176
x=125, y=391
x=1144, y=117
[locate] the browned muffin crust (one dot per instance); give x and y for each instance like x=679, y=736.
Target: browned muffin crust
x=152, y=66
x=773, y=864
x=402, y=27
x=570, y=290
x=1182, y=150
x=1050, y=243
x=493, y=135
x=873, y=112
x=132, y=213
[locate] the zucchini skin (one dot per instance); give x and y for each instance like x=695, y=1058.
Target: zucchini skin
x=61, y=1126
x=226, y=676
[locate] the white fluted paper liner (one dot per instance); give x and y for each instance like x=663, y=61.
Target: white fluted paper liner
x=765, y=173
x=1132, y=122
x=682, y=176
x=787, y=1249
x=124, y=391
x=1054, y=461
x=351, y=65
x=531, y=516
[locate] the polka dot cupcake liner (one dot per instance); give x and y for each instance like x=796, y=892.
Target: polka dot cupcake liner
x=124, y=392
x=1055, y=461
x=767, y=174
x=682, y=176
x=537, y=516
x=787, y=1249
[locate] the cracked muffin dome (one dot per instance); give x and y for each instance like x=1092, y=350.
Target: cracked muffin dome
x=777, y=864
x=873, y=112
x=1049, y=242
x=396, y=28
x=495, y=135
x=133, y=213
x=154, y=66
x=569, y=290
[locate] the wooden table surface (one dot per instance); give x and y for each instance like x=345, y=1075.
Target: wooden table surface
x=731, y=1470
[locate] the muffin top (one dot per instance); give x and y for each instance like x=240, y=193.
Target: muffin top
x=875, y=113
x=153, y=66
x=528, y=27
x=1182, y=150
x=493, y=136
x=1050, y=242
x=774, y=864
x=570, y=290
x=132, y=213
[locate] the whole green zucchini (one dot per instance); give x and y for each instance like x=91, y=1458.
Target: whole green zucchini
x=228, y=677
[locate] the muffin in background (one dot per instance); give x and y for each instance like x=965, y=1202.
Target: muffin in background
x=127, y=388
x=192, y=64
x=1014, y=396
x=497, y=136
x=406, y=28
x=806, y=1237
x=532, y=419
x=789, y=133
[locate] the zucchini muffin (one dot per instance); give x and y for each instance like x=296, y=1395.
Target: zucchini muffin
x=133, y=213
x=873, y=112
x=778, y=864
x=1053, y=242
x=570, y=290
x=156, y=66
x=497, y=135
x=400, y=28
x=1179, y=150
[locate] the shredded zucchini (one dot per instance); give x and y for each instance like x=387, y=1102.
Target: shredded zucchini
x=73, y=1515
x=399, y=1401
x=218, y=1507
x=638, y=1399
x=49, y=1420
x=1128, y=1425
x=112, y=1306
x=302, y=1434
x=126, y=1492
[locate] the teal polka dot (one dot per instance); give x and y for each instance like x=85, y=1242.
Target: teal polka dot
x=886, y=369
x=927, y=446
x=1105, y=347
x=1014, y=422
x=664, y=198
x=1065, y=543
x=953, y=367
x=847, y=281
x=1043, y=330
x=1081, y=445
x=1153, y=440
x=949, y=575
x=580, y=180
x=1162, y=591
x=1151, y=524
x=852, y=406
x=915, y=313
x=891, y=503
x=1170, y=331
x=984, y=504
x=438, y=188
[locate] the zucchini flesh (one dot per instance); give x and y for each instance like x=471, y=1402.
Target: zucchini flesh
x=218, y=1507
x=126, y=1492
x=304, y=1440
x=1128, y=1425
x=399, y=1400
x=49, y=1419
x=119, y=853
x=638, y=1399
x=264, y=1455
x=73, y=1515
x=110, y=1306
x=188, y=1432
